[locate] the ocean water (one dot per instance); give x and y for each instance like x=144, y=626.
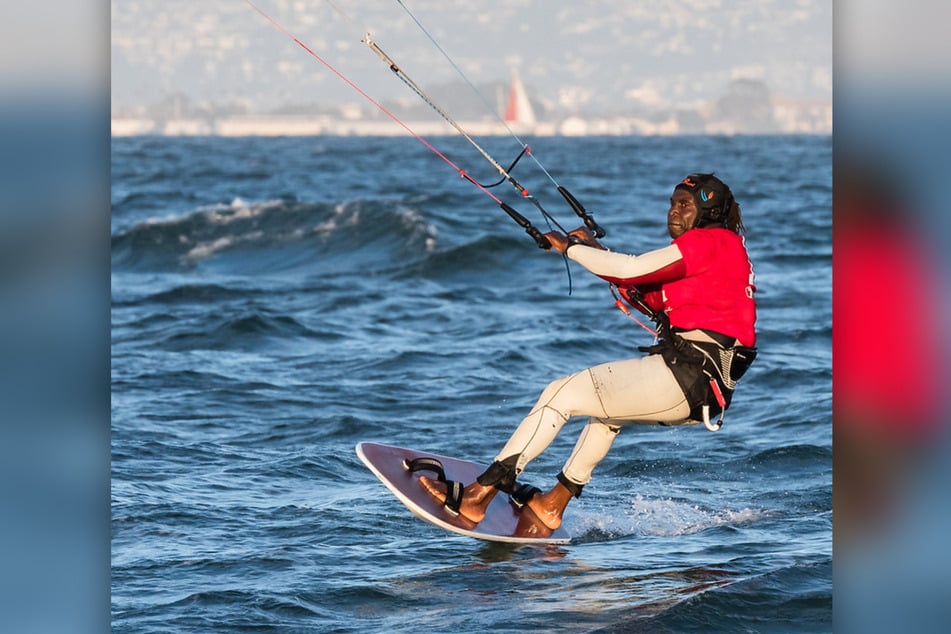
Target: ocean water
x=276, y=301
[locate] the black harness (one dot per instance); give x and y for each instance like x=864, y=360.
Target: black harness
x=707, y=371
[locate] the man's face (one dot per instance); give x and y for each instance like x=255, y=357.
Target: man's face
x=682, y=214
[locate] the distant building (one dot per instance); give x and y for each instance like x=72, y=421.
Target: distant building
x=746, y=107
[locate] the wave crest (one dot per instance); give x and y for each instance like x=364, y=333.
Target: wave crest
x=276, y=235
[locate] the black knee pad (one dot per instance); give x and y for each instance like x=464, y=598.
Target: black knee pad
x=574, y=487
x=501, y=475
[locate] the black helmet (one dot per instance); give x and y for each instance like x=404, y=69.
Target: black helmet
x=713, y=198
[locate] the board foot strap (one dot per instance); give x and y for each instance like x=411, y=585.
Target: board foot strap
x=425, y=464
x=522, y=493
x=454, y=489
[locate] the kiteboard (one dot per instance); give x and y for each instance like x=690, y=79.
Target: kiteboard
x=504, y=520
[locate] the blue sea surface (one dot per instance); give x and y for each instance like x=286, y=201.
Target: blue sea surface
x=277, y=300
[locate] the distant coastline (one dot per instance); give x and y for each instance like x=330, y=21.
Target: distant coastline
x=797, y=119
x=745, y=107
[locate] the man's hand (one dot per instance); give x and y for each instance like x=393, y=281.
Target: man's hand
x=582, y=235
x=585, y=236
x=558, y=240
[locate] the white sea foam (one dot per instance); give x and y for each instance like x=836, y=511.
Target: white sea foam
x=663, y=517
x=205, y=249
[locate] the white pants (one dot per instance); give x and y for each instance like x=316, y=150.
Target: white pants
x=613, y=394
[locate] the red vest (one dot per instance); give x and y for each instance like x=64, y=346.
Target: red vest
x=716, y=292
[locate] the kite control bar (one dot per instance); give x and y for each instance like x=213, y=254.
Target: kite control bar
x=530, y=229
x=579, y=209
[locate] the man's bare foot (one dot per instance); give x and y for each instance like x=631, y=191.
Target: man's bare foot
x=475, y=497
x=529, y=525
x=549, y=507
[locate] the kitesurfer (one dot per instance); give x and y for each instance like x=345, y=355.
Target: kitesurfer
x=699, y=290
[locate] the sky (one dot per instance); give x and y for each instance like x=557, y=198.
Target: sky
x=576, y=57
